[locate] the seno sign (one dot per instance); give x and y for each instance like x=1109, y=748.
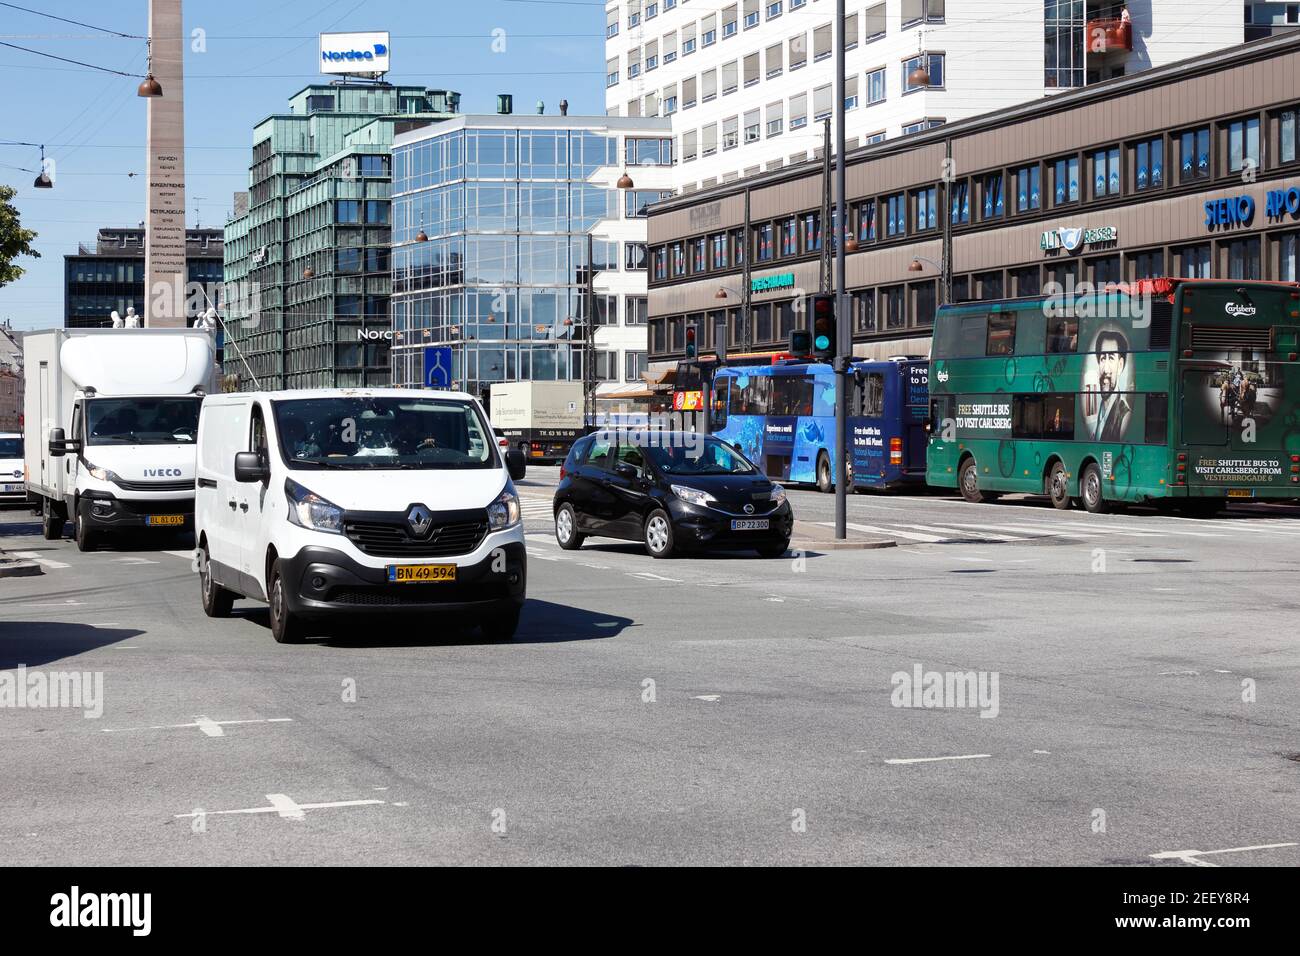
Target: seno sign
x=354, y=52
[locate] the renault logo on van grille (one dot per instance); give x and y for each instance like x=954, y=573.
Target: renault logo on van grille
x=419, y=519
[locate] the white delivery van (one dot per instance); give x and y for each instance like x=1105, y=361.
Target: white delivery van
x=328, y=502
x=541, y=419
x=13, y=488
x=111, y=418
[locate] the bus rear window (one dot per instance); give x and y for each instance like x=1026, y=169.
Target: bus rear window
x=1002, y=335
x=1062, y=334
x=1157, y=418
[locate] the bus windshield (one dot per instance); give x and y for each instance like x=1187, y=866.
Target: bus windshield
x=383, y=432
x=142, y=421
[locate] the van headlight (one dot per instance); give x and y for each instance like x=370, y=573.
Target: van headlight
x=504, y=512
x=309, y=510
x=102, y=474
x=693, y=496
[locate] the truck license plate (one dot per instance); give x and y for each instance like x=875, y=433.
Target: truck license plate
x=9, y=488
x=173, y=520
x=420, y=573
x=749, y=524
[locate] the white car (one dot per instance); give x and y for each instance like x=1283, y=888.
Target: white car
x=13, y=486
x=327, y=502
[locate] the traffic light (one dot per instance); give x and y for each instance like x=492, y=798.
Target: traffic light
x=690, y=342
x=801, y=342
x=823, y=326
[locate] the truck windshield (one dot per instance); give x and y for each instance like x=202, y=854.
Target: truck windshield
x=142, y=421
x=11, y=448
x=383, y=432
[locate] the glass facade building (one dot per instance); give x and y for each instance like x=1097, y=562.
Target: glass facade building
x=507, y=204
x=307, y=253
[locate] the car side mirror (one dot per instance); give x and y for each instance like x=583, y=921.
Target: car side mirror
x=249, y=467
x=625, y=470
x=515, y=464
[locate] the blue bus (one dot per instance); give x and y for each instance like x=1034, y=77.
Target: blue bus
x=782, y=417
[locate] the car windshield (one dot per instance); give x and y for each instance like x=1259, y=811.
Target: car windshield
x=383, y=432
x=142, y=421
x=11, y=448
x=700, y=457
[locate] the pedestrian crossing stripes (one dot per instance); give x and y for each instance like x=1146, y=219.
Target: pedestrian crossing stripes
x=536, y=507
x=1021, y=531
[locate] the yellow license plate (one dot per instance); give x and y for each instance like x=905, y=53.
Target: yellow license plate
x=1241, y=492
x=420, y=573
x=165, y=520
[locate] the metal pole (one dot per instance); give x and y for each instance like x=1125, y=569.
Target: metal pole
x=589, y=343
x=844, y=347
x=747, y=247
x=945, y=260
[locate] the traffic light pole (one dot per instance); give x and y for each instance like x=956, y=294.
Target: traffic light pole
x=843, y=338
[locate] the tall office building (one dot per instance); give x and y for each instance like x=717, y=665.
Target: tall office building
x=307, y=251
x=492, y=215
x=109, y=276
x=746, y=83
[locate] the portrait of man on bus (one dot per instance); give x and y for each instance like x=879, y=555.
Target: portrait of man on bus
x=1105, y=381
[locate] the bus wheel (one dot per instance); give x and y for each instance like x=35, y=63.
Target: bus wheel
x=968, y=480
x=1094, y=502
x=824, y=483
x=1058, y=487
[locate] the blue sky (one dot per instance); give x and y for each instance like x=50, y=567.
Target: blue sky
x=259, y=52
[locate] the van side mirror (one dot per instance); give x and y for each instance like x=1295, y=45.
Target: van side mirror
x=249, y=467
x=515, y=464
x=61, y=445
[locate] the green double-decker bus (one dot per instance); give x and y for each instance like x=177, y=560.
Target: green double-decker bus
x=1171, y=390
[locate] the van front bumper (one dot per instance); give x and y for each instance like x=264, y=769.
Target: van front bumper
x=102, y=509
x=323, y=582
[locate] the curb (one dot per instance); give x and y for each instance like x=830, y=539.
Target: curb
x=15, y=568
x=850, y=545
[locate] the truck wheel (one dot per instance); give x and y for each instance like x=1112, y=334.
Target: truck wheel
x=1090, y=487
x=51, y=524
x=286, y=628
x=824, y=482
x=1058, y=487
x=87, y=540
x=500, y=625
x=217, y=601
x=968, y=480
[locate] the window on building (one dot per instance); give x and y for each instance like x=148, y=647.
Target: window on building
x=994, y=204
x=925, y=208
x=810, y=229
x=634, y=256
x=611, y=71
x=851, y=31
x=821, y=42
x=773, y=9
x=1064, y=59
x=1105, y=172
x=774, y=119
x=709, y=139
x=659, y=265
x=1243, y=144
x=1243, y=258
x=708, y=86
x=1193, y=261
x=730, y=77
x=893, y=307
x=874, y=22
x=1105, y=269
x=850, y=96
x=737, y=247
x=690, y=145
x=688, y=39
x=867, y=221
x=798, y=51
x=697, y=250
x=924, y=302
x=751, y=13
x=1288, y=254
x=960, y=193
x=864, y=311
x=1027, y=281
x=676, y=259
x=990, y=285
x=1288, y=135
x=876, y=86
x=822, y=102
x=635, y=365
x=1194, y=154
x=729, y=25
x=1028, y=188
x=709, y=30
x=922, y=11
x=1149, y=164
x=347, y=210
x=1147, y=265
x=788, y=232
x=932, y=62
x=753, y=126
x=764, y=242
x=799, y=111
x=896, y=221
x=637, y=309
x=637, y=202
x=772, y=57
x=1065, y=181
x=730, y=132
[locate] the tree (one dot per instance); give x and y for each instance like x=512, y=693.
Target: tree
x=15, y=241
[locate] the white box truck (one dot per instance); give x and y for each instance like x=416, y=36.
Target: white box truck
x=111, y=419
x=541, y=419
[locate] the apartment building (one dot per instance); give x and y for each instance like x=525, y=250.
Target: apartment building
x=747, y=83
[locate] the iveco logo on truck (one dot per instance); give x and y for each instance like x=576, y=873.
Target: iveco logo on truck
x=162, y=473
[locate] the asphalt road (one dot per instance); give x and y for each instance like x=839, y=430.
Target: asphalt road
x=713, y=710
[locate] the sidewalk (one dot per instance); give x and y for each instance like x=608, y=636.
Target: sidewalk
x=811, y=536
x=11, y=567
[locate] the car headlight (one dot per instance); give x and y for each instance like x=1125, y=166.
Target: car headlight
x=102, y=474
x=778, y=493
x=504, y=512
x=693, y=496
x=309, y=510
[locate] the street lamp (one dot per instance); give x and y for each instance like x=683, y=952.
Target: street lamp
x=150, y=86
x=624, y=181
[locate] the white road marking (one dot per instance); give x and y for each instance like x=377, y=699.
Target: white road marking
x=963, y=534
x=651, y=576
x=1032, y=531
x=900, y=760
x=284, y=806
x=1194, y=856
x=545, y=557
x=598, y=567
x=187, y=555
x=1042, y=751
x=887, y=532
x=211, y=728
x=67, y=603
x=133, y=561
x=708, y=698
x=45, y=562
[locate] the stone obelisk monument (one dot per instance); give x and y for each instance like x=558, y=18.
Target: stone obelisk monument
x=164, y=243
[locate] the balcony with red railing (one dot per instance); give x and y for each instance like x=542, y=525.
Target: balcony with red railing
x=1109, y=31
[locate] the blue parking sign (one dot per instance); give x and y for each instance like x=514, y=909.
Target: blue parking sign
x=437, y=366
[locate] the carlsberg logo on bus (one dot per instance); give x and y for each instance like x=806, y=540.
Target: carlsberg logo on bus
x=1237, y=309
x=354, y=53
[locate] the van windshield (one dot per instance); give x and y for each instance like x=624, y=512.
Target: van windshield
x=142, y=421
x=383, y=432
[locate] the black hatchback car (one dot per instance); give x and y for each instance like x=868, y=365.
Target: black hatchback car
x=672, y=491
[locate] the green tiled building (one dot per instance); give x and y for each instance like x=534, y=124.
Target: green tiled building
x=307, y=252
